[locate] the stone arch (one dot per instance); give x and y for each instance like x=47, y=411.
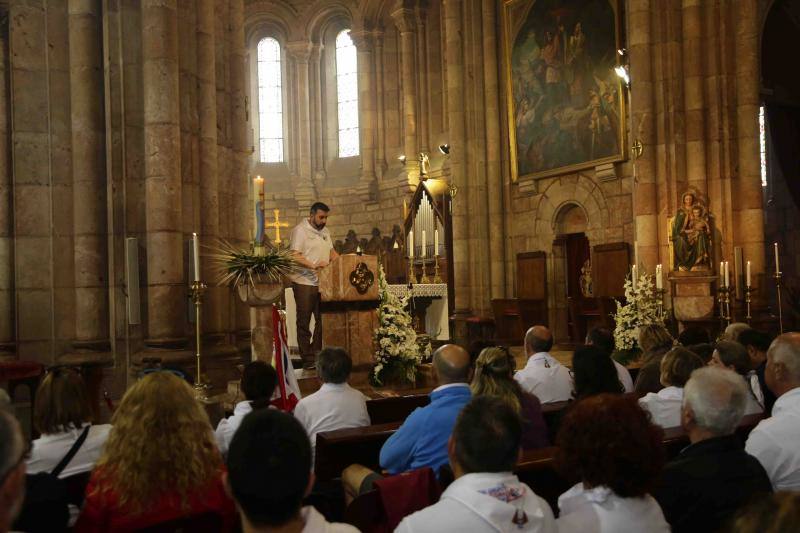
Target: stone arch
x=570, y=217
x=272, y=17
x=321, y=15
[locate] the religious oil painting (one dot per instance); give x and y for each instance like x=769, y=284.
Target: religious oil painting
x=566, y=103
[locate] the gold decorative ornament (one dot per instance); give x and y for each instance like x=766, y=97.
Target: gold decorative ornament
x=361, y=278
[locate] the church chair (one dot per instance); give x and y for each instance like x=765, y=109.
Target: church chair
x=336, y=450
x=27, y=373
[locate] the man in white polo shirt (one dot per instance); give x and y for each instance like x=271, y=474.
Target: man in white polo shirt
x=543, y=376
x=775, y=441
x=313, y=248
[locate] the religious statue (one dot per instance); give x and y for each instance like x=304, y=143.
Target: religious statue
x=586, y=279
x=351, y=243
x=691, y=235
x=375, y=244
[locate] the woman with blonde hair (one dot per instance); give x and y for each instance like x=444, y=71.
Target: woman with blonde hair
x=665, y=405
x=160, y=463
x=654, y=341
x=494, y=376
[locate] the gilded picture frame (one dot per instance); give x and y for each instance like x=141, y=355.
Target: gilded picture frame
x=566, y=107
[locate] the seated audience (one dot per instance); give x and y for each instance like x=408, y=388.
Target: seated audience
x=257, y=385
x=603, y=338
x=476, y=347
x=485, y=496
x=335, y=405
x=711, y=479
x=733, y=330
x=269, y=474
x=780, y=513
x=704, y=351
x=160, y=462
x=62, y=412
x=774, y=442
x=757, y=343
x=733, y=356
x=654, y=341
x=664, y=406
x=610, y=445
x=494, y=376
x=543, y=376
x=594, y=372
x=12, y=469
x=692, y=335
x=422, y=439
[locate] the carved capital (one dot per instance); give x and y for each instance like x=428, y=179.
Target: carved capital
x=405, y=19
x=300, y=51
x=363, y=39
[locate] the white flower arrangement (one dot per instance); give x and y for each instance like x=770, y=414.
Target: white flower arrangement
x=397, y=352
x=641, y=308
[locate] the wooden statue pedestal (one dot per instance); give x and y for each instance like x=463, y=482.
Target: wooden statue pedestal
x=349, y=307
x=693, y=295
x=260, y=298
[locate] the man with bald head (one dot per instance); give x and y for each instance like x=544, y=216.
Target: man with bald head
x=422, y=439
x=543, y=376
x=775, y=441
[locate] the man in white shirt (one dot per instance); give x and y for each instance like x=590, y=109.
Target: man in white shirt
x=311, y=241
x=485, y=496
x=544, y=376
x=269, y=473
x=603, y=338
x=775, y=442
x=336, y=405
x=12, y=469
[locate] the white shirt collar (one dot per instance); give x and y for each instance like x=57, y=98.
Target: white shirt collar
x=671, y=393
x=310, y=226
x=70, y=433
x=787, y=400
x=242, y=408
x=333, y=386
x=542, y=357
x=448, y=386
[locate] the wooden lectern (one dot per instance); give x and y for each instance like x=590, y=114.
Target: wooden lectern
x=349, y=293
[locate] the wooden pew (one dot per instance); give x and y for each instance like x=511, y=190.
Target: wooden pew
x=395, y=409
x=336, y=450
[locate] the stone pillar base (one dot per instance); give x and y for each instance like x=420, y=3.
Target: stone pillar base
x=693, y=297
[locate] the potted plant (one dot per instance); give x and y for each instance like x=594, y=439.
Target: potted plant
x=256, y=273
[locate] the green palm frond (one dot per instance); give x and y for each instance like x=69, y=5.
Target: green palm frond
x=235, y=266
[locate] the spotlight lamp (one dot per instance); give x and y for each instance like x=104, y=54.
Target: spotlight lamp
x=622, y=73
x=402, y=159
x=444, y=148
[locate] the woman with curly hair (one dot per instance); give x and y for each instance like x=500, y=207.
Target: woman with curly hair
x=494, y=376
x=609, y=445
x=160, y=462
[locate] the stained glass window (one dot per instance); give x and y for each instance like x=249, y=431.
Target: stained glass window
x=347, y=94
x=270, y=101
x=762, y=135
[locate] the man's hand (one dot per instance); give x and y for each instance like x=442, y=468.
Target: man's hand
x=322, y=264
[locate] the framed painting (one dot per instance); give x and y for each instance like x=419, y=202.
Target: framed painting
x=566, y=105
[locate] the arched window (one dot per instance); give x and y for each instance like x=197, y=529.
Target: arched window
x=347, y=94
x=270, y=101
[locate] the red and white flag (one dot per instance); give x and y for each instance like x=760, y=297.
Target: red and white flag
x=287, y=393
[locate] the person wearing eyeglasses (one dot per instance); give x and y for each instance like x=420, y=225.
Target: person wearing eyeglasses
x=12, y=469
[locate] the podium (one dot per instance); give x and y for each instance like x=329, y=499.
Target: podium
x=349, y=305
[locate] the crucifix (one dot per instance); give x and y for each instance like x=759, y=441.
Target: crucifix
x=277, y=224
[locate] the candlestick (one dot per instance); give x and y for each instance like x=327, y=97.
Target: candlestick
x=425, y=278
x=727, y=276
x=747, y=276
x=436, y=277
x=410, y=244
x=777, y=277
x=423, y=252
x=258, y=184
x=722, y=273
x=634, y=276
x=747, y=297
x=777, y=260
x=659, y=280
x=436, y=242
x=196, y=290
x=196, y=254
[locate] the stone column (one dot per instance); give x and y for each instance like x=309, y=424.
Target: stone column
x=645, y=191
x=747, y=198
x=693, y=94
x=457, y=126
x=166, y=293
x=380, y=126
x=209, y=185
x=366, y=108
x=300, y=51
x=318, y=155
x=6, y=216
x=89, y=175
x=494, y=178
x=405, y=20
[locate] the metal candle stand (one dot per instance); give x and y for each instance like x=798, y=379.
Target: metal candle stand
x=425, y=278
x=198, y=288
x=661, y=293
x=777, y=277
x=724, y=306
x=436, y=277
x=748, y=291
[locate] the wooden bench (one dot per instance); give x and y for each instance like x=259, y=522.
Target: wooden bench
x=395, y=409
x=336, y=450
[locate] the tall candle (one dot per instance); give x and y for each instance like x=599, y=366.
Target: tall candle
x=727, y=276
x=722, y=273
x=196, y=255
x=634, y=276
x=659, y=281
x=258, y=182
x=777, y=261
x=436, y=242
x=748, y=274
x=422, y=254
x=411, y=244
